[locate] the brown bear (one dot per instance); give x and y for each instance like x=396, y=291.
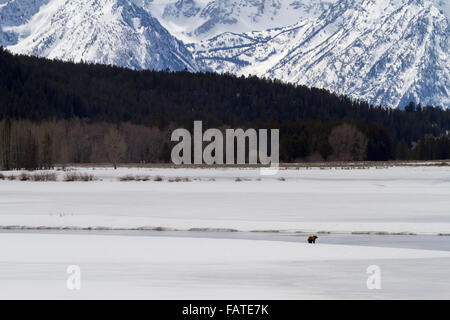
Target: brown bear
x=312, y=239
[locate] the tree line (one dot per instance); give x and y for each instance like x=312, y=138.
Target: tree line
x=40, y=145
x=62, y=112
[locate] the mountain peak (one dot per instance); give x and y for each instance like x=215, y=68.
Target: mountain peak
x=114, y=32
x=386, y=52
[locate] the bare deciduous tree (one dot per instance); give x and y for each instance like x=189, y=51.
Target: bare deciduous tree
x=77, y=141
x=348, y=143
x=115, y=146
x=5, y=144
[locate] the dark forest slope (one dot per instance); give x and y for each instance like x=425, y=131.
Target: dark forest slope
x=38, y=89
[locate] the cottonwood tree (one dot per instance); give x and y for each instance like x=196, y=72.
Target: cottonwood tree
x=348, y=143
x=5, y=145
x=115, y=146
x=31, y=154
x=47, y=154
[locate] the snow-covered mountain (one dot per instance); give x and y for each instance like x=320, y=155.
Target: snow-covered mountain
x=388, y=52
x=115, y=32
x=385, y=52
x=196, y=20
x=444, y=5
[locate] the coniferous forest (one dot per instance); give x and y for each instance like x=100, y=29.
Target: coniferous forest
x=62, y=112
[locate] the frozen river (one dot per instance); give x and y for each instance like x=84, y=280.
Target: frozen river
x=426, y=242
x=218, y=265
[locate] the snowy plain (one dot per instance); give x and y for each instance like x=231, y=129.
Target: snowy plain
x=385, y=199
x=131, y=267
x=109, y=228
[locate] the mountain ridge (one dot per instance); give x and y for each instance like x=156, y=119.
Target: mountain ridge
x=113, y=32
x=333, y=53
x=385, y=52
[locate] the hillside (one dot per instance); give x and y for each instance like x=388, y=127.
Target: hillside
x=41, y=90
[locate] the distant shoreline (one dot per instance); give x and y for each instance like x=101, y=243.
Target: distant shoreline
x=331, y=164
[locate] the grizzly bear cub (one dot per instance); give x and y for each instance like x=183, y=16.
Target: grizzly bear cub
x=312, y=239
